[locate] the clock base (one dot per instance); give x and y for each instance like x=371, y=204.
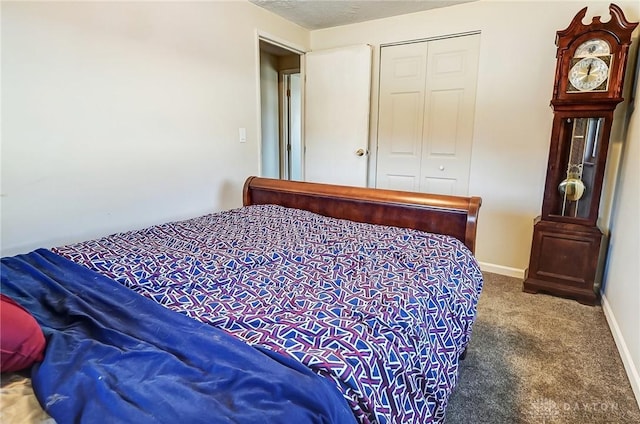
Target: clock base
x=566, y=261
x=585, y=297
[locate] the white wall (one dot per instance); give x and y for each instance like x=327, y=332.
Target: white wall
x=118, y=115
x=513, y=117
x=621, y=297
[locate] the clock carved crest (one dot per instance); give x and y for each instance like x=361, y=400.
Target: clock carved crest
x=568, y=246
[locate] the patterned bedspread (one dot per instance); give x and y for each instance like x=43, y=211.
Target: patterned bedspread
x=384, y=312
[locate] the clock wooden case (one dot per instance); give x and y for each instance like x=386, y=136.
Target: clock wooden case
x=568, y=246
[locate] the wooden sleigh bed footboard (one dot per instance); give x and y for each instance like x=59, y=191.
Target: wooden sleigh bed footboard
x=449, y=215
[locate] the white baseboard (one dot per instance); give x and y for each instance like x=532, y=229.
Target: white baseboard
x=502, y=270
x=625, y=355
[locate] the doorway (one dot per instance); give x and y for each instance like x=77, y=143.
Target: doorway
x=281, y=112
x=328, y=142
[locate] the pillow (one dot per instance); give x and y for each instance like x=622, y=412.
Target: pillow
x=21, y=339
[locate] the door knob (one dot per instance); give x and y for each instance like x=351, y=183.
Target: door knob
x=361, y=152
x=441, y=168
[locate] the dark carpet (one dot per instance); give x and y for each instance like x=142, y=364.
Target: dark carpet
x=540, y=359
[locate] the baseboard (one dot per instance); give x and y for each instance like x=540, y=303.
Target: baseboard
x=625, y=355
x=502, y=270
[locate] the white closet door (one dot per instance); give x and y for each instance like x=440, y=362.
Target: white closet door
x=425, y=132
x=400, y=116
x=337, y=94
x=452, y=74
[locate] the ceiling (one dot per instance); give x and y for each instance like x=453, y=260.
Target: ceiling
x=318, y=14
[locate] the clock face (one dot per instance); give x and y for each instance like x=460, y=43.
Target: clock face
x=589, y=74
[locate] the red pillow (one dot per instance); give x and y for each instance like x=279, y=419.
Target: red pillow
x=21, y=340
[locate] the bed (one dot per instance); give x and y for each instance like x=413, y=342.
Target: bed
x=311, y=303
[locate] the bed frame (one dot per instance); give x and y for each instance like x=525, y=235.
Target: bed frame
x=451, y=215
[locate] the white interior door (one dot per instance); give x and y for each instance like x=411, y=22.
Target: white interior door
x=337, y=94
x=427, y=108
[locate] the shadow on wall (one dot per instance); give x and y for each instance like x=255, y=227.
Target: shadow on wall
x=230, y=195
x=505, y=233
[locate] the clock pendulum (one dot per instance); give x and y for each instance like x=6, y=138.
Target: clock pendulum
x=567, y=249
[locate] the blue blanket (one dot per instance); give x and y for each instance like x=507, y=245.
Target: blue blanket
x=115, y=356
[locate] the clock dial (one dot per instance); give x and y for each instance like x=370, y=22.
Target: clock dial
x=589, y=74
x=593, y=47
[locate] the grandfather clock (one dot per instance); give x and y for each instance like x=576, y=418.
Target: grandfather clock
x=568, y=247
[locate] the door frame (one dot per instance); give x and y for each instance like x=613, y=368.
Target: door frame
x=286, y=151
x=294, y=49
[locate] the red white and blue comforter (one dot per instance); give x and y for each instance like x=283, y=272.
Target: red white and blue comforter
x=383, y=312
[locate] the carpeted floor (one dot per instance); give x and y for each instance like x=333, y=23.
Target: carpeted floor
x=540, y=359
